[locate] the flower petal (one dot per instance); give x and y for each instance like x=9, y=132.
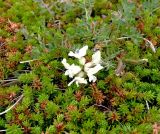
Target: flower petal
x=82, y=61
x=65, y=64
x=96, y=57
x=73, y=70
x=87, y=66
x=82, y=52
x=79, y=53
x=92, y=78
x=78, y=80
x=94, y=70
x=72, y=54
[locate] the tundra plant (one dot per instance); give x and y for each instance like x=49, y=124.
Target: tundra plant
x=86, y=69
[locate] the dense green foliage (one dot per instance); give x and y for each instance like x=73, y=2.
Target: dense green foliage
x=126, y=97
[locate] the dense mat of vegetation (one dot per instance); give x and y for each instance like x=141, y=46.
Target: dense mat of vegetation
x=125, y=99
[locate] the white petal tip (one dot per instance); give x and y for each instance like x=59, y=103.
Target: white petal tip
x=71, y=54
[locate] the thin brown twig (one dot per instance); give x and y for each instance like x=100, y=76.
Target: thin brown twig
x=60, y=89
x=102, y=106
x=9, y=83
x=8, y=80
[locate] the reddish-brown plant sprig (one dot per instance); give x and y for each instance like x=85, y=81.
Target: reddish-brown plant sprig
x=43, y=105
x=1, y=74
x=97, y=94
x=3, y=97
x=28, y=49
x=59, y=127
x=113, y=101
x=19, y=122
x=26, y=130
x=27, y=112
x=113, y=116
x=78, y=95
x=2, y=20
x=67, y=116
x=11, y=64
x=118, y=91
x=37, y=84
x=12, y=27
x=11, y=96
x=140, y=26
x=156, y=128
x=14, y=38
x=16, y=118
x=11, y=52
x=71, y=108
x=2, y=40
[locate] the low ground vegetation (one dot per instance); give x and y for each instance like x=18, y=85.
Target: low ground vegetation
x=36, y=35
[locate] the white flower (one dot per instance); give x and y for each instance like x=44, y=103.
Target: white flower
x=93, y=70
x=92, y=78
x=96, y=58
x=65, y=64
x=88, y=69
x=78, y=80
x=79, y=53
x=72, y=70
x=93, y=67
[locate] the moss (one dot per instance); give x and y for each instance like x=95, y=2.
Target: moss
x=34, y=38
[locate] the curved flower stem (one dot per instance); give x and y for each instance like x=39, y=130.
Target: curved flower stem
x=12, y=105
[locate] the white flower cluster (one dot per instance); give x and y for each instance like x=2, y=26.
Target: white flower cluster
x=88, y=69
